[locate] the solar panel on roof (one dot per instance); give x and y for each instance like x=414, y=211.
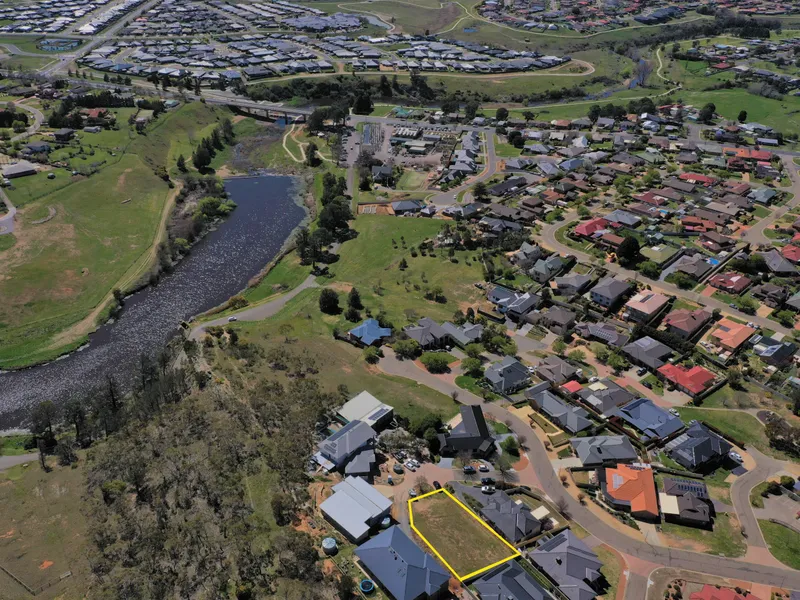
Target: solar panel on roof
x=378, y=414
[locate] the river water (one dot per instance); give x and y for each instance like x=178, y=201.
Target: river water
x=218, y=267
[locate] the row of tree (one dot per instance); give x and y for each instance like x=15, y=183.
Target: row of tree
x=221, y=136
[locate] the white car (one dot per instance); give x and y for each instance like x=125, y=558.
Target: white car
x=232, y=319
x=487, y=489
x=674, y=412
x=594, y=379
x=735, y=456
x=415, y=462
x=412, y=492
x=410, y=466
x=483, y=468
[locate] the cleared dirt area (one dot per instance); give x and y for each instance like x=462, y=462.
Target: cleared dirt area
x=461, y=539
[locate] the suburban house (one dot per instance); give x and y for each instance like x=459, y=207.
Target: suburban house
x=349, y=449
x=510, y=580
x=571, y=284
x=556, y=319
x=428, y=334
x=699, y=449
x=555, y=370
x=731, y=283
x=507, y=376
x=567, y=416
x=776, y=263
x=685, y=322
x=22, y=168
x=545, y=268
x=731, y=335
x=770, y=294
x=604, y=450
x=355, y=508
x=511, y=303
x=609, y=292
x=605, y=395
x=686, y=501
x=368, y=409
x=465, y=334
x=383, y=174
x=605, y=332
x=470, y=435
x=631, y=488
x=513, y=521
x=401, y=567
x=588, y=228
x=369, y=333
x=692, y=381
x=644, y=306
x=776, y=353
x=651, y=421
x=570, y=563
x=648, y=352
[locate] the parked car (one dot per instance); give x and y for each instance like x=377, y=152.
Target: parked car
x=735, y=456
x=488, y=489
x=648, y=385
x=641, y=371
x=410, y=466
x=398, y=468
x=232, y=319
x=469, y=469
x=437, y=485
x=674, y=412
x=487, y=481
x=415, y=462
x=594, y=379
x=412, y=492
x=483, y=468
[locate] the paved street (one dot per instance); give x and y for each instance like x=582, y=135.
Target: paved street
x=6, y=462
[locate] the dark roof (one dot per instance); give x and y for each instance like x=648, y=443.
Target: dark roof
x=471, y=434
x=697, y=446
x=606, y=398
x=556, y=370
x=426, y=331
x=651, y=420
x=513, y=520
x=595, y=451
x=648, y=351
x=402, y=567
x=570, y=563
x=611, y=288
x=570, y=417
x=510, y=580
x=343, y=444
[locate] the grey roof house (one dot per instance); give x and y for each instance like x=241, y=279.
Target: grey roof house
x=352, y=443
x=471, y=435
x=510, y=580
x=568, y=417
x=355, y=507
x=609, y=291
x=653, y=422
x=545, y=268
x=464, y=334
x=555, y=370
x=605, y=395
x=698, y=448
x=571, y=284
x=507, y=376
x=401, y=567
x=686, y=501
x=570, y=563
x=515, y=522
x=648, y=352
x=427, y=333
x=604, y=450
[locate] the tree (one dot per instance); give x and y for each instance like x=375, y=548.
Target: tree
x=201, y=158
x=503, y=468
x=408, y=349
x=785, y=318
x=352, y=315
x=510, y=445
x=617, y=362
x=473, y=350
x=372, y=355
x=480, y=191
x=354, y=299
x=182, y=164
x=471, y=109
x=346, y=588
x=435, y=362
x=363, y=105
x=559, y=346
x=742, y=116
x=432, y=437
x=628, y=251
x=329, y=302
x=735, y=378
x=501, y=114
x=650, y=269
x=706, y=114
x=312, y=160
x=577, y=355
x=472, y=367
x=316, y=120
x=75, y=414
x=43, y=420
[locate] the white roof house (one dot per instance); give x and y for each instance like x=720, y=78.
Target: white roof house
x=367, y=408
x=355, y=507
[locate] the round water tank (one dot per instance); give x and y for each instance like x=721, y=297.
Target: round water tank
x=329, y=546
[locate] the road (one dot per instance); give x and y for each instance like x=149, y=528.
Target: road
x=38, y=119
x=6, y=462
x=550, y=484
x=490, y=168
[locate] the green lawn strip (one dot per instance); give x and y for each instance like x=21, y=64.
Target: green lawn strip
x=756, y=499
x=611, y=570
x=727, y=397
x=499, y=428
x=726, y=539
x=658, y=385
x=718, y=488
x=465, y=382
x=287, y=274
x=784, y=543
x=14, y=445
x=761, y=211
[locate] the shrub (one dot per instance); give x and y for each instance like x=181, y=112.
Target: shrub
x=435, y=362
x=510, y=446
x=372, y=355
x=329, y=302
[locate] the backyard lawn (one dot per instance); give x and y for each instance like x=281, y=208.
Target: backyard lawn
x=461, y=537
x=784, y=543
x=611, y=570
x=725, y=540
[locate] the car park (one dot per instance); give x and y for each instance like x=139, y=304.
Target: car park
x=412, y=492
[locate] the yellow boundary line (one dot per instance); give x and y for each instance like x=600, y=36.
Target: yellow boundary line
x=471, y=514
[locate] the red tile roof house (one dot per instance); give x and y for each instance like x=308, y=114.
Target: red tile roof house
x=791, y=253
x=710, y=592
x=696, y=178
x=589, y=228
x=692, y=381
x=733, y=283
x=686, y=323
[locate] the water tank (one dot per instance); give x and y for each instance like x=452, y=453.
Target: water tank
x=367, y=586
x=329, y=546
x=386, y=522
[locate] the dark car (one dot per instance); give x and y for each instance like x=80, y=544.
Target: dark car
x=469, y=469
x=641, y=371
x=437, y=485
x=487, y=481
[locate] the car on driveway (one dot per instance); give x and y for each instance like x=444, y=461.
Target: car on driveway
x=410, y=466
x=483, y=468
x=641, y=371
x=437, y=485
x=469, y=469
x=412, y=492
x=735, y=456
x=487, y=489
x=674, y=412
x=487, y=481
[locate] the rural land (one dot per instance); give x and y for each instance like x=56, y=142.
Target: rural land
x=400, y=300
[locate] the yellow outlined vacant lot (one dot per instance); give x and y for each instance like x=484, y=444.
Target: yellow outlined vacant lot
x=457, y=536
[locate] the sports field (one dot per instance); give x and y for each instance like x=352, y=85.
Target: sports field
x=459, y=537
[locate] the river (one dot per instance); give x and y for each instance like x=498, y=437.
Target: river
x=219, y=266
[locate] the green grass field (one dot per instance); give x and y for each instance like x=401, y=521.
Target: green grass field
x=417, y=19
x=44, y=531
x=611, y=569
x=784, y=543
x=460, y=537
x=14, y=445
x=725, y=540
